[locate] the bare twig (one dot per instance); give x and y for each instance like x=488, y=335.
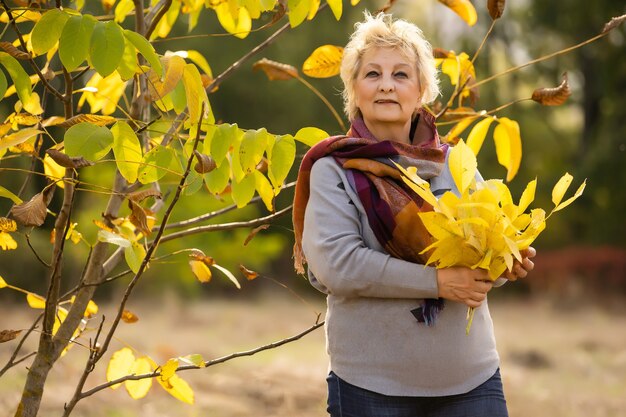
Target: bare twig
x=324, y=100
x=46, y=264
x=209, y=363
x=12, y=362
x=208, y=216
x=226, y=226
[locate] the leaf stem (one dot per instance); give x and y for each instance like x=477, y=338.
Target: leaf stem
x=326, y=102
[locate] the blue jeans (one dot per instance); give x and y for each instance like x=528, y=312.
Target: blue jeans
x=346, y=400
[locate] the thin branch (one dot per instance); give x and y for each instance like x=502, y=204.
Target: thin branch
x=480, y=47
x=209, y=363
x=326, y=102
x=81, y=73
x=208, y=216
x=31, y=61
x=153, y=17
x=226, y=226
x=543, y=58
x=11, y=362
x=46, y=264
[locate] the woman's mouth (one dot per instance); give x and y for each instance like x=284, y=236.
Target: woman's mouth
x=386, y=102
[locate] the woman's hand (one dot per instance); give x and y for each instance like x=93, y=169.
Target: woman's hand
x=464, y=285
x=521, y=269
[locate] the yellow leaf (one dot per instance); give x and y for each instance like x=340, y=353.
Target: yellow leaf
x=200, y=270
x=527, y=196
x=508, y=146
x=18, y=137
x=463, y=165
x=139, y=389
x=53, y=170
x=35, y=301
x=61, y=314
x=169, y=369
x=129, y=317
x=159, y=88
x=464, y=9
x=178, y=388
x=337, y=7
x=459, y=128
x=315, y=6
x=560, y=188
x=3, y=283
x=571, y=199
x=120, y=365
x=103, y=94
x=238, y=23
x=7, y=242
x=324, y=62
x=417, y=184
x=478, y=133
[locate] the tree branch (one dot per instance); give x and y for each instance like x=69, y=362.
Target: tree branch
x=226, y=226
x=155, y=15
x=12, y=362
x=46, y=264
x=209, y=363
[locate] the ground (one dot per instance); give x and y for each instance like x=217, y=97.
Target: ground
x=556, y=361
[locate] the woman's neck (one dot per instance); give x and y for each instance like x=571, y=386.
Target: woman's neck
x=390, y=131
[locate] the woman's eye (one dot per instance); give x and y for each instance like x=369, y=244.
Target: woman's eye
x=402, y=75
x=371, y=74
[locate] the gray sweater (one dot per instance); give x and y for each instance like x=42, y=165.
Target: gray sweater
x=373, y=340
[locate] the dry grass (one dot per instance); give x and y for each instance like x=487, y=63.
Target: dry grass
x=554, y=363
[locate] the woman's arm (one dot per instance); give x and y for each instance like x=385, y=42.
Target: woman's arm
x=336, y=252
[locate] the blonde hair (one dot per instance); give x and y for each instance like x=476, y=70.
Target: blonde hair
x=382, y=31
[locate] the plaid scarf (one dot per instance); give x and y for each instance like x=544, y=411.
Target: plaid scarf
x=392, y=208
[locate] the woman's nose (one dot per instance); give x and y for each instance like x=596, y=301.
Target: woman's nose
x=386, y=84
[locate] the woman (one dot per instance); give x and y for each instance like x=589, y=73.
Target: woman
x=395, y=328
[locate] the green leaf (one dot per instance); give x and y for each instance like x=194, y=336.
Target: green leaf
x=243, y=191
x=134, y=255
x=3, y=85
x=129, y=64
x=156, y=163
x=18, y=75
x=88, y=140
x=179, y=98
x=281, y=156
x=127, y=151
x=74, y=42
x=47, y=30
x=265, y=190
x=224, y=136
x=107, y=47
x=8, y=194
x=145, y=48
x=193, y=184
x=217, y=180
x=253, y=145
x=113, y=238
x=298, y=11
x=310, y=135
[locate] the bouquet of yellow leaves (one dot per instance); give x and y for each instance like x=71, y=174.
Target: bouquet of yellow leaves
x=483, y=227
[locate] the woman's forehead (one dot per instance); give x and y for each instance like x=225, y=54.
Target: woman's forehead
x=379, y=56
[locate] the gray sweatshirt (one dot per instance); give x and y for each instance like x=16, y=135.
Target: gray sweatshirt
x=372, y=338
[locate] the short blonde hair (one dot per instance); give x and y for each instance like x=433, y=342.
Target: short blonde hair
x=383, y=31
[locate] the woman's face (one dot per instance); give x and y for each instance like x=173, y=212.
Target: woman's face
x=387, y=89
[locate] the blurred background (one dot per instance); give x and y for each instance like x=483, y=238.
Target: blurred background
x=558, y=330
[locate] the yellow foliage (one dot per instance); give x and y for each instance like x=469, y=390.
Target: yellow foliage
x=7, y=242
x=482, y=227
x=464, y=8
x=103, y=94
x=120, y=365
x=139, y=389
x=3, y=283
